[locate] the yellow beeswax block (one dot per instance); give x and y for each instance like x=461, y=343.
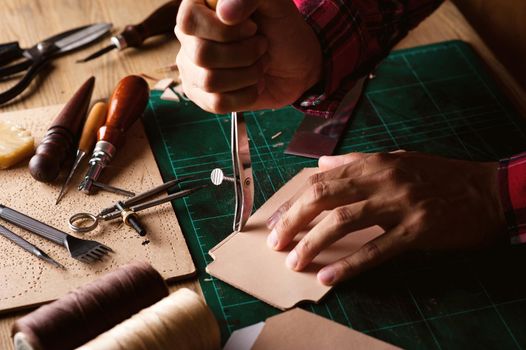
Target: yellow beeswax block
x=16, y=144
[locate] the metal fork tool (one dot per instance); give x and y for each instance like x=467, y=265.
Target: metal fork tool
x=84, y=250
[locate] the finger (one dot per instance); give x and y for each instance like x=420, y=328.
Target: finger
x=223, y=80
x=354, y=171
x=340, y=222
x=236, y=11
x=361, y=164
x=211, y=54
x=317, y=198
x=274, y=218
x=373, y=253
x=330, y=162
x=196, y=19
x=326, y=163
x=222, y=103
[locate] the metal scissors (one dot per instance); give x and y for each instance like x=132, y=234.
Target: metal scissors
x=242, y=168
x=126, y=210
x=38, y=56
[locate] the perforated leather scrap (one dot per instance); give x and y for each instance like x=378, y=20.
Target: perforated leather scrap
x=26, y=280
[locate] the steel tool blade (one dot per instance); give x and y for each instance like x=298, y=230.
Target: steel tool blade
x=83, y=37
x=242, y=166
x=316, y=137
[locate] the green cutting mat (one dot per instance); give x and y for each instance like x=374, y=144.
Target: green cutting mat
x=437, y=99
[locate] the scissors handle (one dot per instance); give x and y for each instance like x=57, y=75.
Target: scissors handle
x=18, y=88
x=10, y=52
x=15, y=68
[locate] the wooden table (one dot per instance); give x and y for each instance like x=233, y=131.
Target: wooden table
x=22, y=21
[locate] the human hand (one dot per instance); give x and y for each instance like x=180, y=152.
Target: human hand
x=423, y=202
x=247, y=55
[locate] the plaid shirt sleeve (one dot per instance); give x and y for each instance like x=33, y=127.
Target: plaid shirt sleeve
x=354, y=36
x=512, y=184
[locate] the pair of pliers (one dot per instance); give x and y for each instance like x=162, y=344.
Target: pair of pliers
x=242, y=167
x=35, y=58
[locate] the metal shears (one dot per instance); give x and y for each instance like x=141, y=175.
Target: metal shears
x=33, y=59
x=242, y=169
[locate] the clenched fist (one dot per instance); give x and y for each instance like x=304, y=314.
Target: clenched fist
x=245, y=55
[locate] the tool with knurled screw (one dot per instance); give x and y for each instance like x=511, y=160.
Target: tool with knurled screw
x=242, y=167
x=127, y=209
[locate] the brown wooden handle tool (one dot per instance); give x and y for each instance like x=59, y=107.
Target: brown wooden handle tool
x=126, y=105
x=161, y=21
x=61, y=139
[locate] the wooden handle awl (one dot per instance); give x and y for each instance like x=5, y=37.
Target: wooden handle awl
x=126, y=105
x=61, y=139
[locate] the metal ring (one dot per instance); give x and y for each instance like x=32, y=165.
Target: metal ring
x=125, y=213
x=85, y=217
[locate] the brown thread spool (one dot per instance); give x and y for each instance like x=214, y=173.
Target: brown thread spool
x=87, y=311
x=179, y=321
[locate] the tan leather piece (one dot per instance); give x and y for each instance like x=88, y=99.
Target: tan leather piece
x=502, y=25
x=26, y=280
x=299, y=329
x=244, y=260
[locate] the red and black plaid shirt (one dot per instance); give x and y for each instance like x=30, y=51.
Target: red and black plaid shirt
x=355, y=35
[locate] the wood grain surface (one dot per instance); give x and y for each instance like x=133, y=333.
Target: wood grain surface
x=28, y=21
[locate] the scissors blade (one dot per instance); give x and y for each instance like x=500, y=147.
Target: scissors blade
x=242, y=166
x=67, y=41
x=82, y=37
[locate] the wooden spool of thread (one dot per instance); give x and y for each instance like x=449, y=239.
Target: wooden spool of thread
x=180, y=321
x=86, y=312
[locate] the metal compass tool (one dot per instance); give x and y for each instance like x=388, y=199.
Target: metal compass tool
x=242, y=167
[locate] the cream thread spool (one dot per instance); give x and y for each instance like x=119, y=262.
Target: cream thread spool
x=179, y=321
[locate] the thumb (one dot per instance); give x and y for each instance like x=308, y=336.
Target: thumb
x=233, y=12
x=330, y=162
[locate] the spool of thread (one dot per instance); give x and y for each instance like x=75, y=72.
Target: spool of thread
x=86, y=312
x=180, y=321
